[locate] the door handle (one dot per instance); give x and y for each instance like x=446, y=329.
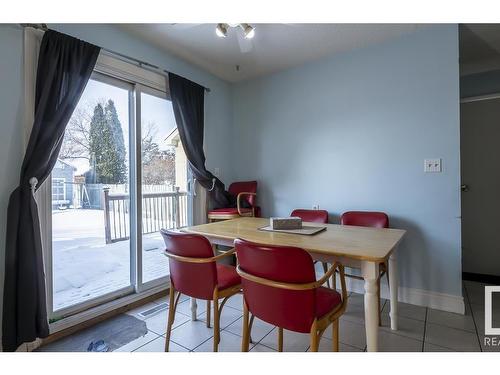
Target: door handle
x=464, y=188
x=194, y=187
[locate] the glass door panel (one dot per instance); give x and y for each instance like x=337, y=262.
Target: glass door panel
x=164, y=181
x=90, y=199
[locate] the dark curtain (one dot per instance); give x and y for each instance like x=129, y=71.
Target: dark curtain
x=64, y=68
x=188, y=102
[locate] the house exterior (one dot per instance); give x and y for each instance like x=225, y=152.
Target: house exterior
x=62, y=184
x=181, y=165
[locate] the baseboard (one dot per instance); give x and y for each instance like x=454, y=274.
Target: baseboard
x=419, y=297
x=481, y=277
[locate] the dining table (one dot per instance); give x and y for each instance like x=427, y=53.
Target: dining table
x=357, y=247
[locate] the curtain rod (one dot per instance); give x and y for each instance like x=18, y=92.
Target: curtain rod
x=141, y=63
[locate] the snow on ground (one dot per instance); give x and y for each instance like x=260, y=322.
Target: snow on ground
x=85, y=267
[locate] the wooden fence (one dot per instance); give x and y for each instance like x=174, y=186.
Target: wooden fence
x=159, y=210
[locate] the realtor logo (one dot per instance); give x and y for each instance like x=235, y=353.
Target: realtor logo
x=488, y=310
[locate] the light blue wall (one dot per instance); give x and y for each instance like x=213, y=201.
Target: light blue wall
x=351, y=132
x=217, y=105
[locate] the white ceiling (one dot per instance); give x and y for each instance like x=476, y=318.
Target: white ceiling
x=275, y=46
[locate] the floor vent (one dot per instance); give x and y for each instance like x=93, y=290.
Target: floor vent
x=153, y=310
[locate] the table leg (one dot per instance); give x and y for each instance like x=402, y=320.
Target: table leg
x=393, y=286
x=370, y=274
x=193, y=306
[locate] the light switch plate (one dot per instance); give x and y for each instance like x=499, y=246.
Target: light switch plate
x=432, y=165
x=217, y=172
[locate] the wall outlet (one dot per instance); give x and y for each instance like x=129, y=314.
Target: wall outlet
x=316, y=206
x=432, y=165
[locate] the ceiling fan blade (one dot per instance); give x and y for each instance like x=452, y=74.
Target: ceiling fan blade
x=246, y=45
x=185, y=26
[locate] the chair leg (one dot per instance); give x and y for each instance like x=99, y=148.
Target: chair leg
x=378, y=302
x=325, y=270
x=171, y=316
x=245, y=341
x=314, y=337
x=209, y=307
x=250, y=328
x=216, y=325
x=335, y=335
x=280, y=339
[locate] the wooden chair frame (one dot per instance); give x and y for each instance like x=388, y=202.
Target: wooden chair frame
x=219, y=217
x=223, y=294
x=318, y=326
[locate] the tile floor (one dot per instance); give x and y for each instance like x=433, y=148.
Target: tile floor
x=421, y=329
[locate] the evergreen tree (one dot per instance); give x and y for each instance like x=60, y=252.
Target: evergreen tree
x=107, y=147
x=120, y=168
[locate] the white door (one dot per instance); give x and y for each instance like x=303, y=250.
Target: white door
x=480, y=162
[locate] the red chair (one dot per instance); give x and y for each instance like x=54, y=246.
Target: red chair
x=245, y=193
x=280, y=287
x=373, y=220
x=195, y=273
x=313, y=216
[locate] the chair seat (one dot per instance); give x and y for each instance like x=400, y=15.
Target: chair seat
x=326, y=300
x=229, y=211
x=227, y=276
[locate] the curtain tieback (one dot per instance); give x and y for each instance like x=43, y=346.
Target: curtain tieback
x=33, y=183
x=213, y=184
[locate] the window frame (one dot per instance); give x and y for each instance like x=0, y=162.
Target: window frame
x=123, y=74
x=62, y=180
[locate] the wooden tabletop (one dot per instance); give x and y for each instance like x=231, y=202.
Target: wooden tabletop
x=361, y=243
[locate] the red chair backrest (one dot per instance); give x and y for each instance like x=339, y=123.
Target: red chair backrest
x=365, y=219
x=192, y=279
x=244, y=187
x=289, y=309
x=312, y=216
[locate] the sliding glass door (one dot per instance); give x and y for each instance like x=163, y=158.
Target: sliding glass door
x=120, y=177
x=90, y=205
x=163, y=186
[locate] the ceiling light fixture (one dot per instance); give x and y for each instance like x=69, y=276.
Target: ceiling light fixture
x=221, y=30
x=248, y=31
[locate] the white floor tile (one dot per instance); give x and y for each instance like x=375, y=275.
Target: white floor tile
x=452, y=338
x=410, y=328
x=259, y=329
x=262, y=348
x=292, y=341
x=355, y=311
x=158, y=322
x=428, y=347
x=458, y=321
x=350, y=333
x=228, y=316
x=326, y=345
x=131, y=346
x=191, y=334
x=389, y=342
x=185, y=307
x=228, y=343
x=158, y=346
x=236, y=302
